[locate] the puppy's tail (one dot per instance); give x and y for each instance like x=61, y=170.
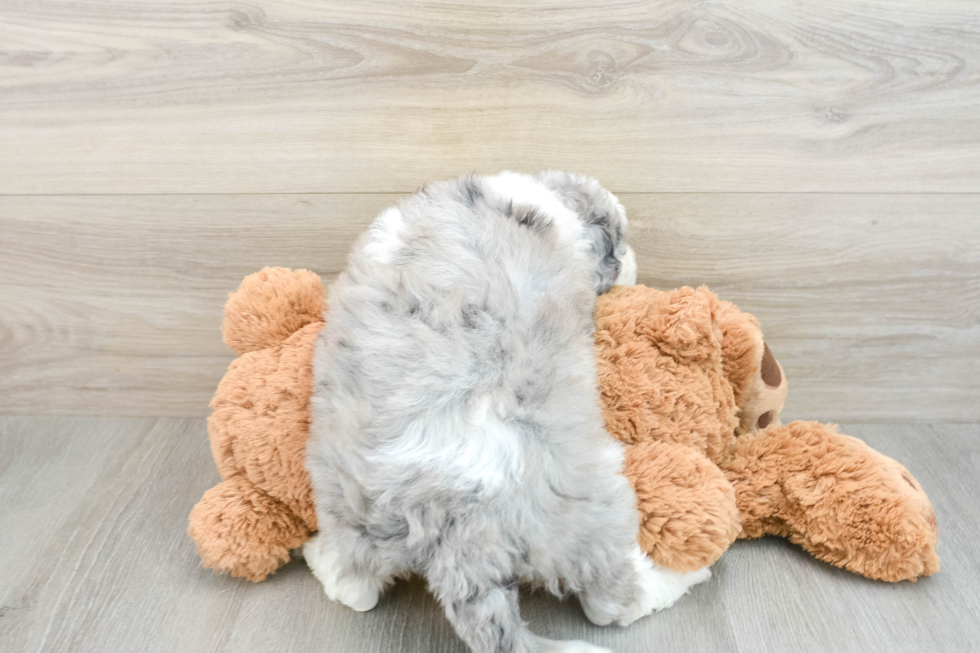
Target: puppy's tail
x=271, y=305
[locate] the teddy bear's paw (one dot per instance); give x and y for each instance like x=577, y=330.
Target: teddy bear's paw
x=357, y=592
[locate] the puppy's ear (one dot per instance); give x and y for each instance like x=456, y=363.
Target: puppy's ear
x=606, y=268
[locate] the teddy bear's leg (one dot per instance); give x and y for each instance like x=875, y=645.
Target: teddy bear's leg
x=688, y=514
x=836, y=497
x=240, y=530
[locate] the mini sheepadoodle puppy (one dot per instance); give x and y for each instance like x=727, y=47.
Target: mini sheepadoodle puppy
x=456, y=425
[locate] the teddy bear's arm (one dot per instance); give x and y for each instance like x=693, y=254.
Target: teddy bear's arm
x=688, y=514
x=836, y=497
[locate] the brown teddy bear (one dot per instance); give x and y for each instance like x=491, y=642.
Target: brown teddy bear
x=688, y=386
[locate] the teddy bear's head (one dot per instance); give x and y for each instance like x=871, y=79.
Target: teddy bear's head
x=683, y=366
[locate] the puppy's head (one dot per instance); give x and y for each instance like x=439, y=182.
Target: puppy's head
x=605, y=224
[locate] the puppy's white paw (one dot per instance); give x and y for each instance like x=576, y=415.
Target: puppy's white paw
x=600, y=611
x=358, y=593
x=627, y=269
x=661, y=587
x=656, y=588
x=572, y=647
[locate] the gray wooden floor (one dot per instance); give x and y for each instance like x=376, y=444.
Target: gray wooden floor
x=94, y=557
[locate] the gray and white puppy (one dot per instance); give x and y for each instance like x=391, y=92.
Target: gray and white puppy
x=456, y=425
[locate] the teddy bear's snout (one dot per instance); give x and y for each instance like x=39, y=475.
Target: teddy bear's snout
x=764, y=402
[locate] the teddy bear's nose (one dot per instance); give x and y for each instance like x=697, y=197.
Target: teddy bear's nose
x=771, y=375
x=764, y=419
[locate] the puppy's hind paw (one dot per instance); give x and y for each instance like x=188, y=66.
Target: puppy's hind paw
x=358, y=593
x=661, y=587
x=549, y=646
x=656, y=588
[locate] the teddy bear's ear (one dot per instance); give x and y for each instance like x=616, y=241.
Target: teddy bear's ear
x=271, y=305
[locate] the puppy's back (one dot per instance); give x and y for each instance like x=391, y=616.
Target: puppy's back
x=459, y=345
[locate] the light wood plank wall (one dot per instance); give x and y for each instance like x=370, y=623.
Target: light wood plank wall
x=818, y=163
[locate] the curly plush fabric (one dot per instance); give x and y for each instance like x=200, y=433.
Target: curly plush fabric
x=259, y=426
x=688, y=386
x=242, y=530
x=691, y=388
x=837, y=498
x=270, y=306
x=661, y=369
x=688, y=512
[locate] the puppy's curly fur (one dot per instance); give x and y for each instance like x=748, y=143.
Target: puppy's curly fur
x=456, y=420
